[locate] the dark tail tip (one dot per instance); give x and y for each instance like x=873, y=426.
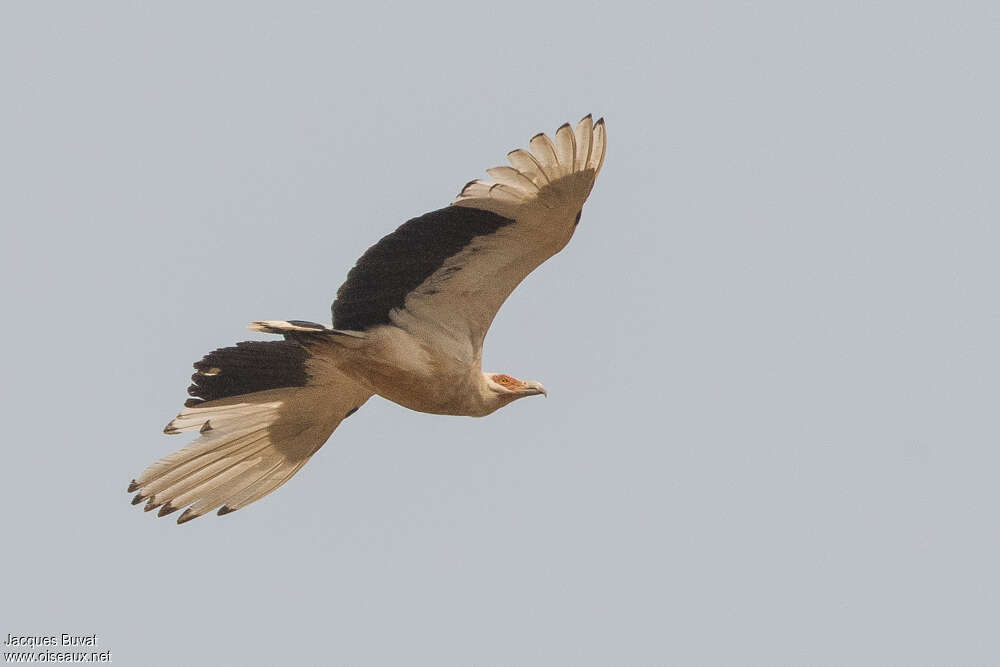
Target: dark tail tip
x=151, y=505
x=167, y=509
x=187, y=516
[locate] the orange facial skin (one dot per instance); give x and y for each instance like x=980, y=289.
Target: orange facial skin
x=508, y=382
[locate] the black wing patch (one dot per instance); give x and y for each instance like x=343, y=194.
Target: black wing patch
x=250, y=366
x=403, y=260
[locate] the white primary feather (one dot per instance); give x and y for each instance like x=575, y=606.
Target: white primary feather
x=566, y=149
x=524, y=162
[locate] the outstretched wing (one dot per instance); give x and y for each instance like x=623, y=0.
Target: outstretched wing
x=446, y=273
x=262, y=409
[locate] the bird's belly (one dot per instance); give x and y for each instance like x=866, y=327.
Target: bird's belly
x=412, y=391
x=412, y=376
x=422, y=402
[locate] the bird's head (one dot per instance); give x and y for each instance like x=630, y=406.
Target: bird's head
x=506, y=388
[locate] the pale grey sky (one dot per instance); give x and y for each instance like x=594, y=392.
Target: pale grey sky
x=771, y=348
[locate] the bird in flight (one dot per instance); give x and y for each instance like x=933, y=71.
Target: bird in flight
x=408, y=325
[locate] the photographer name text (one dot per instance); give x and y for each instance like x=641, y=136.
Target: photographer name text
x=65, y=639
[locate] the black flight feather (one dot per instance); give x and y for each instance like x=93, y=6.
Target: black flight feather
x=248, y=367
x=403, y=260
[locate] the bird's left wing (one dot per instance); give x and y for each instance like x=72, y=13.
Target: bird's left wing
x=446, y=273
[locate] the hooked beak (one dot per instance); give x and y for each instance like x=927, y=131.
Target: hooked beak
x=537, y=388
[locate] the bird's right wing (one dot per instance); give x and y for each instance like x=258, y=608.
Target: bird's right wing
x=262, y=409
x=445, y=274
